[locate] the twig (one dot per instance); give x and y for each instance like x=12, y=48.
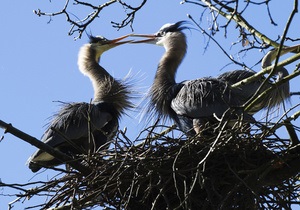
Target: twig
x=241, y=22
x=266, y=70
x=35, y=142
x=252, y=102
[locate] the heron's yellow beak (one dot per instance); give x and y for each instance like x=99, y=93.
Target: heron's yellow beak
x=151, y=38
x=117, y=42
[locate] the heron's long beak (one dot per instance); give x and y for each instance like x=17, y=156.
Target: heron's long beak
x=116, y=42
x=151, y=38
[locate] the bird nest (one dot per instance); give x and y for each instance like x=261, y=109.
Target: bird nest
x=166, y=170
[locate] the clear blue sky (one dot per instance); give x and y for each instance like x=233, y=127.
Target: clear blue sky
x=39, y=65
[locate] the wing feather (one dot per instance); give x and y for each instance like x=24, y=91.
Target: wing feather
x=72, y=124
x=203, y=97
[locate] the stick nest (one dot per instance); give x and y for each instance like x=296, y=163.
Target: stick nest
x=229, y=169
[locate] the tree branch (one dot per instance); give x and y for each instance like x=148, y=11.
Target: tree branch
x=80, y=25
x=233, y=15
x=282, y=168
x=266, y=71
x=256, y=97
x=8, y=128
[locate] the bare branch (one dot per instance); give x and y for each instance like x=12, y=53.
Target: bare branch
x=80, y=25
x=235, y=16
x=267, y=70
x=35, y=142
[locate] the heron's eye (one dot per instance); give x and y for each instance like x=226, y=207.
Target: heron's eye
x=161, y=33
x=102, y=40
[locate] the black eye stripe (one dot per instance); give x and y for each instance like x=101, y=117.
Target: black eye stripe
x=97, y=39
x=179, y=26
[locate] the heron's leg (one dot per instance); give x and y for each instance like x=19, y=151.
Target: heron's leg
x=197, y=126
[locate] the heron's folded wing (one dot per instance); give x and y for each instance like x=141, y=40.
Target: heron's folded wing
x=203, y=98
x=74, y=122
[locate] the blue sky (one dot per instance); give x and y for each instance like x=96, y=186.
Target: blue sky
x=39, y=66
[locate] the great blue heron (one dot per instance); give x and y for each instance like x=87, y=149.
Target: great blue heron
x=82, y=127
x=193, y=103
x=279, y=94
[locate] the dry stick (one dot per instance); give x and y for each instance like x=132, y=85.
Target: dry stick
x=8, y=128
x=281, y=168
x=11, y=204
x=156, y=136
x=215, y=41
x=87, y=20
x=280, y=52
x=257, y=95
x=293, y=136
x=244, y=24
x=292, y=133
x=241, y=22
x=294, y=93
x=279, y=124
x=266, y=70
x=201, y=162
x=267, y=91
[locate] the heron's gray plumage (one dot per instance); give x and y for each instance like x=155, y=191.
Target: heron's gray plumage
x=185, y=101
x=196, y=101
x=82, y=127
x=279, y=94
x=213, y=96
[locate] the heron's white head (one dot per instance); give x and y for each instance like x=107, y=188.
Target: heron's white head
x=100, y=44
x=89, y=54
x=168, y=36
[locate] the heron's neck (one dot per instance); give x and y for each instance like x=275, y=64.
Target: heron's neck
x=89, y=66
x=168, y=65
x=162, y=90
x=103, y=83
